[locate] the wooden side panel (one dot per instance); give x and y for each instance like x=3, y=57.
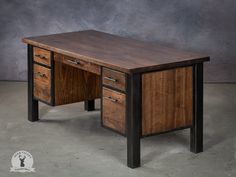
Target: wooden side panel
x=74, y=85
x=167, y=100
x=42, y=83
x=113, y=115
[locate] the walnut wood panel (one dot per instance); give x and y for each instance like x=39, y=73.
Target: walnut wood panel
x=42, y=56
x=42, y=83
x=113, y=78
x=74, y=85
x=113, y=107
x=119, y=53
x=75, y=62
x=167, y=100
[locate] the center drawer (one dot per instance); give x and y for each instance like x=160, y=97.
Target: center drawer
x=75, y=62
x=113, y=106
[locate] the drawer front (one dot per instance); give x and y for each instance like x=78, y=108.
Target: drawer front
x=87, y=66
x=42, y=83
x=113, y=78
x=42, y=56
x=113, y=107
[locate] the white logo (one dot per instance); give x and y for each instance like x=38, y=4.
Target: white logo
x=22, y=161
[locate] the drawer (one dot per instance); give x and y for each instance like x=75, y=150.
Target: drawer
x=84, y=65
x=42, y=56
x=113, y=78
x=113, y=110
x=42, y=83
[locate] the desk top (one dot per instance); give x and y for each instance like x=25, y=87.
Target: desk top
x=124, y=54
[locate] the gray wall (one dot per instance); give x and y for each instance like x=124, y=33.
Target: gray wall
x=207, y=26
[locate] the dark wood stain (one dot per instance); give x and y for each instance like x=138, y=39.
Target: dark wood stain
x=42, y=83
x=123, y=54
x=113, y=79
x=42, y=56
x=167, y=100
x=75, y=62
x=146, y=88
x=74, y=85
x=113, y=106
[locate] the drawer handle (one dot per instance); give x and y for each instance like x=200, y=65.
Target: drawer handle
x=40, y=74
x=111, y=99
x=73, y=62
x=41, y=56
x=110, y=79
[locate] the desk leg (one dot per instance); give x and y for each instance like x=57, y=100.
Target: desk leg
x=89, y=105
x=196, y=140
x=32, y=103
x=133, y=119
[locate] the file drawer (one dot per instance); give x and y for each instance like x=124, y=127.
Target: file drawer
x=42, y=83
x=113, y=106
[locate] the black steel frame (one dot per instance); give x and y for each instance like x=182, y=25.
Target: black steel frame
x=52, y=79
x=89, y=105
x=33, y=113
x=133, y=119
x=196, y=131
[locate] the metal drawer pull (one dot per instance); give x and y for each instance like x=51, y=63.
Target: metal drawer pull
x=111, y=79
x=40, y=74
x=73, y=62
x=111, y=99
x=41, y=56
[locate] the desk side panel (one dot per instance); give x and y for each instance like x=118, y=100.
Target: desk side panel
x=167, y=100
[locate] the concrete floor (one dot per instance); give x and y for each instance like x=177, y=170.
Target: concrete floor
x=68, y=141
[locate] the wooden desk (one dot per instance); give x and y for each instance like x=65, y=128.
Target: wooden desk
x=145, y=88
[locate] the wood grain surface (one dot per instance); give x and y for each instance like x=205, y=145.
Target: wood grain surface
x=123, y=54
x=74, y=85
x=167, y=100
x=42, y=56
x=75, y=62
x=42, y=83
x=113, y=79
x=113, y=115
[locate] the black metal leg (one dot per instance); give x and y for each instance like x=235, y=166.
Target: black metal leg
x=32, y=103
x=133, y=120
x=89, y=105
x=196, y=141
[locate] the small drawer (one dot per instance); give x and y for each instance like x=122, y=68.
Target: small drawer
x=42, y=83
x=113, y=107
x=84, y=65
x=42, y=56
x=113, y=78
